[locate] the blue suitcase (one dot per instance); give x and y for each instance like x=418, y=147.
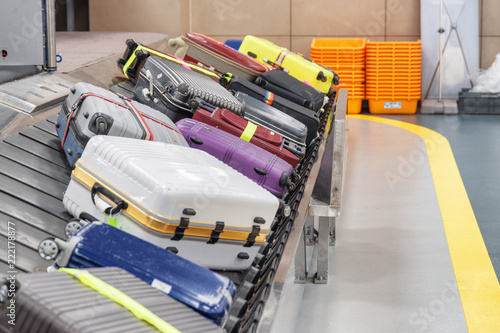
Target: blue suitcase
x=89, y=110
x=100, y=245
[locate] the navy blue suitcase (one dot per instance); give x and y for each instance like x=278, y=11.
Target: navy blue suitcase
x=100, y=245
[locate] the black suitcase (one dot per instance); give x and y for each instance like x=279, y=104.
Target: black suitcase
x=258, y=112
x=172, y=89
x=59, y=303
x=306, y=116
x=287, y=86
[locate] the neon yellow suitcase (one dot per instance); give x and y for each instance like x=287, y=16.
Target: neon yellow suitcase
x=297, y=66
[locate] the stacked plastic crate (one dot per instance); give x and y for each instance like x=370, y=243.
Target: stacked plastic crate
x=393, y=76
x=346, y=57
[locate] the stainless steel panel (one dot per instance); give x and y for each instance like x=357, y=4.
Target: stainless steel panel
x=21, y=37
x=279, y=308
x=34, y=93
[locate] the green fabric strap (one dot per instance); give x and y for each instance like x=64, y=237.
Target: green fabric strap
x=248, y=132
x=121, y=298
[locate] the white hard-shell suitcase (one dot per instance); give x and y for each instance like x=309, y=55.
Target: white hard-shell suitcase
x=176, y=197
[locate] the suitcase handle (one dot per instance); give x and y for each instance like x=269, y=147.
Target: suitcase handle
x=120, y=204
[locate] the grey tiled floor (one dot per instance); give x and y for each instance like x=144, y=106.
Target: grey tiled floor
x=390, y=270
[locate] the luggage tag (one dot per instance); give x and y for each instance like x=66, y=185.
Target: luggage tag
x=112, y=220
x=103, y=206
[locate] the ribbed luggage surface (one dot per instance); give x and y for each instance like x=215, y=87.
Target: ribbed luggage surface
x=235, y=125
x=175, y=86
x=201, y=48
x=98, y=244
x=289, y=87
x=91, y=110
x=304, y=115
x=58, y=303
x=264, y=168
x=172, y=191
x=265, y=115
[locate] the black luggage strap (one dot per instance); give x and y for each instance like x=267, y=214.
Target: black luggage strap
x=254, y=234
x=179, y=232
x=214, y=237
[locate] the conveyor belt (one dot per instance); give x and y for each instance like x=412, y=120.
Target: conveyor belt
x=34, y=174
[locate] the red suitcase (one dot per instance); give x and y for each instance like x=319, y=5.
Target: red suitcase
x=198, y=48
x=234, y=124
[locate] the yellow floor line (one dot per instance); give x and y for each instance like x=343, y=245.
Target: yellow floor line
x=476, y=279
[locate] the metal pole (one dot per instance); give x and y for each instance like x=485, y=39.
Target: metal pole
x=441, y=30
x=70, y=15
x=50, y=33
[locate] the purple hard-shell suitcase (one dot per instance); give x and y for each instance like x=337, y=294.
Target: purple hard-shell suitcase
x=263, y=167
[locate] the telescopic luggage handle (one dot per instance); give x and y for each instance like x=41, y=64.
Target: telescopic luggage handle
x=103, y=205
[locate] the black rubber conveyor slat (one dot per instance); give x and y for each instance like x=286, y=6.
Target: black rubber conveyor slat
x=46, y=126
x=25, y=158
x=42, y=137
x=37, y=149
x=33, y=216
x=26, y=234
x=34, y=198
x=32, y=178
x=26, y=259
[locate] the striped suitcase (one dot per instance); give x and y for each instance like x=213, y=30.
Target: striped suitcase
x=101, y=245
x=264, y=168
x=174, y=196
x=172, y=88
x=198, y=48
x=295, y=64
x=236, y=125
x=89, y=110
x=57, y=302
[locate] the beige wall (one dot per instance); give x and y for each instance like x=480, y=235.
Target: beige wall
x=288, y=23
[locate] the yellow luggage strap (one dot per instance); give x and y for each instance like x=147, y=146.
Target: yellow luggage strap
x=164, y=56
x=248, y=132
x=121, y=298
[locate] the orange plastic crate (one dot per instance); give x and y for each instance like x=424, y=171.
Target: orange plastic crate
x=354, y=106
x=393, y=45
x=350, y=66
x=392, y=84
x=335, y=51
x=392, y=96
x=394, y=106
x=402, y=91
x=339, y=45
x=381, y=79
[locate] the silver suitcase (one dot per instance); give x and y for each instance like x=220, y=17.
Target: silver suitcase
x=89, y=110
x=56, y=302
x=178, y=198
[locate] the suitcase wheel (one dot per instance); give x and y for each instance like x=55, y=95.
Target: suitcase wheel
x=48, y=249
x=321, y=77
x=131, y=43
x=193, y=104
x=72, y=227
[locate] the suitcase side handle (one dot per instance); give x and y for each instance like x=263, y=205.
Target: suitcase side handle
x=120, y=204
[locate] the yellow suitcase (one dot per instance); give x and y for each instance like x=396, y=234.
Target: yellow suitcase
x=297, y=66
